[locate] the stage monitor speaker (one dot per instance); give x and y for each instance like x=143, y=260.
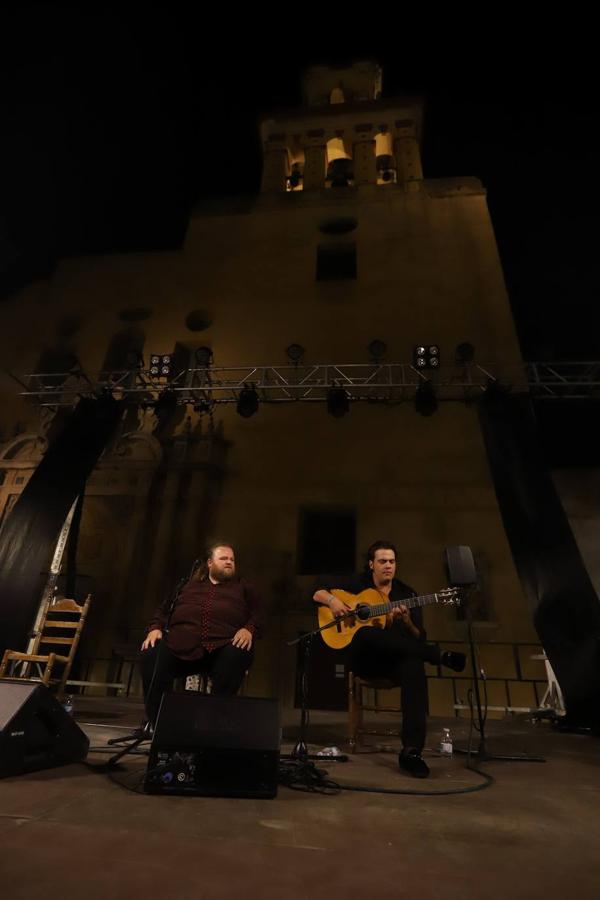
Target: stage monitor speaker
x=215, y=746
x=460, y=567
x=35, y=731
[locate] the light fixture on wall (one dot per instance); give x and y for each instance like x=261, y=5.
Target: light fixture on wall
x=247, y=403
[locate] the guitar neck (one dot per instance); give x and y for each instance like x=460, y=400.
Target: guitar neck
x=382, y=609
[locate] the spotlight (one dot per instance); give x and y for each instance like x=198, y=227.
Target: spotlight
x=166, y=404
x=247, y=403
x=464, y=353
x=377, y=350
x=160, y=365
x=425, y=400
x=426, y=357
x=203, y=357
x=338, y=403
x=295, y=352
x=203, y=406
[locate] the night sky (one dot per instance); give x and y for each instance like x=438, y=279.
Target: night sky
x=109, y=116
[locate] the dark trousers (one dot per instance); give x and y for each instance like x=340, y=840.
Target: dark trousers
x=388, y=653
x=226, y=667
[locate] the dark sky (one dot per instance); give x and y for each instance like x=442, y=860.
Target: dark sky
x=109, y=116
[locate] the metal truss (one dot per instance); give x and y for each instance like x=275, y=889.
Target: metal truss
x=383, y=383
x=564, y=380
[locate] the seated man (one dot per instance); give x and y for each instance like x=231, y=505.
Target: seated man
x=212, y=631
x=398, y=651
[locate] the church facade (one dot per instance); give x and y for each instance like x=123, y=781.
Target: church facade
x=349, y=256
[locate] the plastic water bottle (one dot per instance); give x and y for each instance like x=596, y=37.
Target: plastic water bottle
x=68, y=705
x=446, y=747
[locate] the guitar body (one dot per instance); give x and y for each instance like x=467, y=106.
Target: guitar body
x=340, y=634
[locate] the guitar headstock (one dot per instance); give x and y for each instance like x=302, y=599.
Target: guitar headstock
x=449, y=596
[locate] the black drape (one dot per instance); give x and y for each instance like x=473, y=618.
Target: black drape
x=564, y=605
x=30, y=533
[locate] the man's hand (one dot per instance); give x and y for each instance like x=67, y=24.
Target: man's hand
x=151, y=638
x=242, y=639
x=339, y=608
x=402, y=612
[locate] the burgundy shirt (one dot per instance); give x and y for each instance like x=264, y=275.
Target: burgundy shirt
x=207, y=616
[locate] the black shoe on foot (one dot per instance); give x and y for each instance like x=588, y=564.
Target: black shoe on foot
x=454, y=660
x=412, y=762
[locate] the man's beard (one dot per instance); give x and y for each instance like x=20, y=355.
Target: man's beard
x=220, y=574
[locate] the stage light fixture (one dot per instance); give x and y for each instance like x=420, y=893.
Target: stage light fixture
x=338, y=403
x=247, y=403
x=464, y=353
x=165, y=404
x=426, y=356
x=425, y=400
x=160, y=365
x=295, y=352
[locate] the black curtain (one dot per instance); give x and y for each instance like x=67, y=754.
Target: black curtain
x=564, y=605
x=32, y=528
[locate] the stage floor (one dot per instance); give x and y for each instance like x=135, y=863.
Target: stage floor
x=73, y=832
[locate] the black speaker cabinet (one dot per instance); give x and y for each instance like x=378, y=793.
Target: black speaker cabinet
x=215, y=746
x=35, y=731
x=460, y=567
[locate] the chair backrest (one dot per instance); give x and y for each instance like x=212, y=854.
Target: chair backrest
x=62, y=627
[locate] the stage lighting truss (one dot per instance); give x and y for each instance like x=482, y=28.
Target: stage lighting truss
x=374, y=383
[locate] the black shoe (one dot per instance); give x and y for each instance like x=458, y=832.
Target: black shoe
x=412, y=762
x=454, y=660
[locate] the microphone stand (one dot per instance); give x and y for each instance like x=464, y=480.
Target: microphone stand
x=133, y=740
x=300, y=751
x=482, y=751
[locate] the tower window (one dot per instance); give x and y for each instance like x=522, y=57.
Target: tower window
x=336, y=261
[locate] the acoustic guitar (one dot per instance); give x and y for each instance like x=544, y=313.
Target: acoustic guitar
x=370, y=609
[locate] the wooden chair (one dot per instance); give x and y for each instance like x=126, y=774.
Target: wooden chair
x=358, y=705
x=61, y=616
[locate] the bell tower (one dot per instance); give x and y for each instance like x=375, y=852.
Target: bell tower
x=346, y=135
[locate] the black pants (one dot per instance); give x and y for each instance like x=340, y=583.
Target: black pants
x=388, y=653
x=226, y=667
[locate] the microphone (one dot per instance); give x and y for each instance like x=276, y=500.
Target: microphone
x=363, y=611
x=195, y=565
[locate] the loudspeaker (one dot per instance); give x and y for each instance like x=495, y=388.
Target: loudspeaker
x=215, y=746
x=35, y=730
x=460, y=567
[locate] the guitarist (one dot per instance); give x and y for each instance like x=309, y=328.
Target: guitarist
x=397, y=652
